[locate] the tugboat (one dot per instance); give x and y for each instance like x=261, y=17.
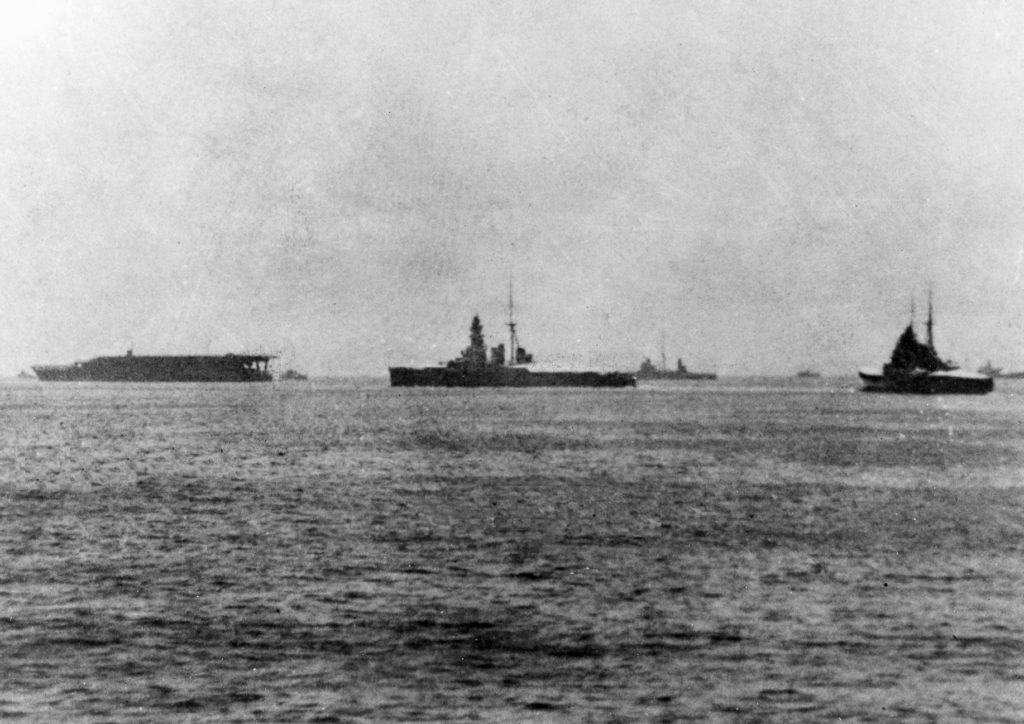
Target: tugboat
x=474, y=368
x=916, y=368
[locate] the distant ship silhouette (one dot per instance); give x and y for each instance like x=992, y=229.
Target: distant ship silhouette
x=916, y=368
x=475, y=368
x=161, y=368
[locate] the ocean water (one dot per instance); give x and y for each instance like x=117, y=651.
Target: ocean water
x=340, y=551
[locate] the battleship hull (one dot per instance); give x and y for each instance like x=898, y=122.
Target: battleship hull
x=675, y=375
x=927, y=383
x=503, y=377
x=163, y=368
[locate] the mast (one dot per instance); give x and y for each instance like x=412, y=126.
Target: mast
x=930, y=341
x=664, y=362
x=512, y=341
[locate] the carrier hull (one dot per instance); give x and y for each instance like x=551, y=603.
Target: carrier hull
x=163, y=368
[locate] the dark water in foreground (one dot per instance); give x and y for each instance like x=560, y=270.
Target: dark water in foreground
x=340, y=551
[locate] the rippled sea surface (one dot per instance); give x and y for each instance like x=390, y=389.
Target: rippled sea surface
x=336, y=551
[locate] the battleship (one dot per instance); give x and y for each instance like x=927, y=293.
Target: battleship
x=475, y=368
x=916, y=368
x=648, y=371
x=161, y=368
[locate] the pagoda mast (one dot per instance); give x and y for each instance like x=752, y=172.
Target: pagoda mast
x=512, y=341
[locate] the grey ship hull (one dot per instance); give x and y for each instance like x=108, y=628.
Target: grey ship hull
x=161, y=368
x=675, y=375
x=503, y=377
x=915, y=368
x=927, y=383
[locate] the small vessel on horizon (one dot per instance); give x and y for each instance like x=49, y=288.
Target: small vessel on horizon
x=807, y=374
x=162, y=368
x=988, y=369
x=916, y=368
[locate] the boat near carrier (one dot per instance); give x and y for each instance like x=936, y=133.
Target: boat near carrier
x=916, y=368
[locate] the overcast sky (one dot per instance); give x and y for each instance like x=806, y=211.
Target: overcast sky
x=764, y=186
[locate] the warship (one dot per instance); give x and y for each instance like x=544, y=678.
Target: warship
x=916, y=368
x=648, y=371
x=161, y=368
x=475, y=368
x=988, y=369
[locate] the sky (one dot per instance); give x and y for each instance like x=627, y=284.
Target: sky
x=755, y=188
